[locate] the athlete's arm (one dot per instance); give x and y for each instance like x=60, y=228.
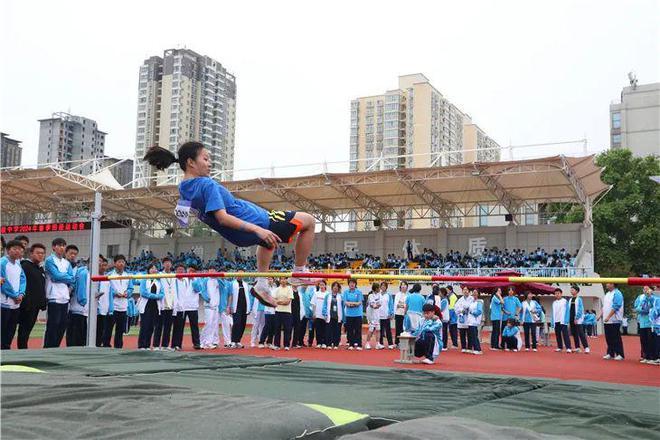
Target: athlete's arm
x=230, y=221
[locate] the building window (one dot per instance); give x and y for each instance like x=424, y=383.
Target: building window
x=616, y=120
x=616, y=139
x=483, y=215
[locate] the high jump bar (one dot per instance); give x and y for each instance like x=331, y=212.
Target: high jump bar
x=631, y=281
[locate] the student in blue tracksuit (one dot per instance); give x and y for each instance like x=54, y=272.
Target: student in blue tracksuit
x=149, y=305
x=643, y=306
x=305, y=293
x=510, y=335
x=120, y=291
x=428, y=342
x=59, y=278
x=474, y=319
x=575, y=319
x=531, y=311
x=654, y=317
x=352, y=301
x=496, y=303
x=445, y=317
x=13, y=290
x=76, y=332
x=414, y=303
x=511, y=306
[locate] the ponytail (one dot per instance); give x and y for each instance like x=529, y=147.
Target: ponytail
x=162, y=158
x=159, y=157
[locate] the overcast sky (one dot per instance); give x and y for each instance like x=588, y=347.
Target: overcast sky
x=526, y=71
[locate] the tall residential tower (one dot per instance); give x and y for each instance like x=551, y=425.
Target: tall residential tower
x=416, y=121
x=185, y=96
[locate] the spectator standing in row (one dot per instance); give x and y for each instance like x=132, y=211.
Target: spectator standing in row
x=333, y=313
x=283, y=297
x=531, y=311
x=149, y=306
x=241, y=305
x=118, y=294
x=643, y=307
x=575, y=318
x=76, y=333
x=475, y=316
x=305, y=293
x=318, y=304
x=496, y=319
x=462, y=309
x=352, y=299
x=102, y=292
x=386, y=313
x=188, y=310
x=35, y=293
x=453, y=318
x=612, y=315
x=400, y=309
x=268, y=332
x=59, y=279
x=13, y=290
x=559, y=321
x=374, y=304
x=163, y=332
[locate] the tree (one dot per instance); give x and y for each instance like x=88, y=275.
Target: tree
x=626, y=220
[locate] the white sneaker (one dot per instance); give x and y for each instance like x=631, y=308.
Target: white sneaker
x=469, y=351
x=275, y=348
x=262, y=293
x=445, y=349
x=618, y=357
x=644, y=361
x=380, y=347
x=368, y=346
x=334, y=348
x=253, y=345
x=559, y=349
x=527, y=349
x=607, y=357
x=286, y=348
x=358, y=348
x=506, y=349
x=515, y=350
x=568, y=350
x=323, y=346
x=464, y=350
x=427, y=361
x=328, y=347
x=392, y=347
x=260, y=345
x=534, y=349
x=477, y=352
x=587, y=350
x=577, y=350
x=302, y=281
x=350, y=348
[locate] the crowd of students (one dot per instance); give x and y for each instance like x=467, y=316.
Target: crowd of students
x=304, y=316
x=489, y=258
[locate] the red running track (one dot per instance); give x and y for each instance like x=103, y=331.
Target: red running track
x=545, y=363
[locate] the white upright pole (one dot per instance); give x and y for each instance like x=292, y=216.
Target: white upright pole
x=95, y=250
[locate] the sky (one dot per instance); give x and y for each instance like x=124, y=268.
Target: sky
x=527, y=72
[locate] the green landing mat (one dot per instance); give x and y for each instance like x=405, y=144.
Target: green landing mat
x=105, y=393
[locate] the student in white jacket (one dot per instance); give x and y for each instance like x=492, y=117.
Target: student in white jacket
x=462, y=310
x=474, y=319
x=59, y=278
x=168, y=310
x=559, y=321
x=149, y=305
x=333, y=309
x=318, y=302
x=188, y=308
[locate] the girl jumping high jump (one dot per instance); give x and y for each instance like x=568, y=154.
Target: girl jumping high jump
x=240, y=222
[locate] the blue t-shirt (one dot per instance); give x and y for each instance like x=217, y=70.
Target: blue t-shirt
x=205, y=196
x=352, y=296
x=415, y=302
x=511, y=303
x=495, y=308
